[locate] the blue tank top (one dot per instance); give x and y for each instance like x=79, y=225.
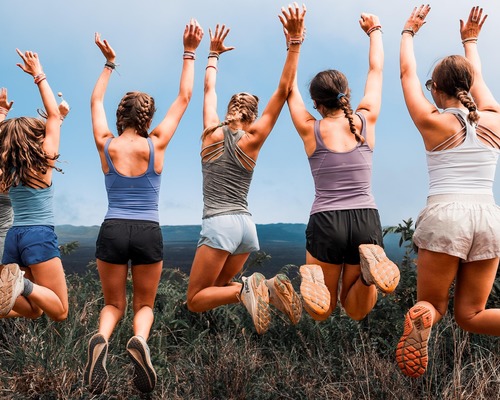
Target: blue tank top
x=342, y=180
x=32, y=206
x=133, y=197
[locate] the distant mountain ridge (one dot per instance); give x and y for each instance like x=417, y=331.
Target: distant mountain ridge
x=284, y=242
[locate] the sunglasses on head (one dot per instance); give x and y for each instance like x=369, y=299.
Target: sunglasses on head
x=428, y=84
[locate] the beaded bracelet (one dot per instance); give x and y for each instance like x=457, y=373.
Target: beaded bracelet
x=4, y=111
x=408, y=30
x=189, y=55
x=110, y=65
x=471, y=39
x=373, y=29
x=295, y=40
x=214, y=55
x=39, y=78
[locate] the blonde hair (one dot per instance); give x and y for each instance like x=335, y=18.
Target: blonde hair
x=242, y=107
x=22, y=156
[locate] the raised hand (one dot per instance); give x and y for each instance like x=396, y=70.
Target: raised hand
x=105, y=48
x=217, y=39
x=31, y=62
x=417, y=18
x=293, y=22
x=472, y=28
x=193, y=33
x=4, y=103
x=368, y=21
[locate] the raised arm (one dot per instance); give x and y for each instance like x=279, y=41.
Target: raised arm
x=5, y=105
x=161, y=135
x=418, y=106
x=217, y=47
x=293, y=23
x=99, y=121
x=469, y=32
x=372, y=99
x=32, y=66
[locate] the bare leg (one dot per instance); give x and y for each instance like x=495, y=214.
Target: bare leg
x=211, y=273
x=472, y=289
x=145, y=279
x=113, y=280
x=331, y=273
x=356, y=298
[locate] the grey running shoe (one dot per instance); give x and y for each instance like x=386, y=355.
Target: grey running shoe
x=283, y=296
x=11, y=286
x=96, y=376
x=377, y=269
x=314, y=292
x=144, y=373
x=255, y=297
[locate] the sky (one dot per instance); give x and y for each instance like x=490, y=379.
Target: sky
x=147, y=37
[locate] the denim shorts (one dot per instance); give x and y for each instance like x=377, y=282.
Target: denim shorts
x=464, y=226
x=123, y=240
x=334, y=236
x=29, y=245
x=234, y=233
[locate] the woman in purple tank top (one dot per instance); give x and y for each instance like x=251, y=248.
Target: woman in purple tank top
x=343, y=236
x=458, y=232
x=132, y=164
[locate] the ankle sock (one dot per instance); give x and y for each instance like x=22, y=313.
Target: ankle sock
x=28, y=287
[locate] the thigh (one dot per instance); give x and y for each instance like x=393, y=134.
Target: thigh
x=435, y=274
x=145, y=279
x=113, y=281
x=350, y=274
x=331, y=272
x=233, y=265
x=473, y=286
x=50, y=274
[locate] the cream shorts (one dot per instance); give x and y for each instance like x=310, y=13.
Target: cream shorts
x=465, y=226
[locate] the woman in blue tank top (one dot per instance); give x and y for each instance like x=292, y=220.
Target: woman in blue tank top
x=132, y=164
x=32, y=279
x=344, y=235
x=458, y=233
x=229, y=153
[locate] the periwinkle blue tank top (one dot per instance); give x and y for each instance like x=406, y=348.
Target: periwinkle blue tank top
x=342, y=180
x=133, y=197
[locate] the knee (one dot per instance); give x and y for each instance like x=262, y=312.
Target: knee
x=356, y=315
x=118, y=308
x=464, y=320
x=34, y=314
x=60, y=317
x=193, y=306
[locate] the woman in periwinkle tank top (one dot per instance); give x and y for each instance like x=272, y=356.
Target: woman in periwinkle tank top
x=132, y=164
x=344, y=235
x=458, y=233
x=229, y=152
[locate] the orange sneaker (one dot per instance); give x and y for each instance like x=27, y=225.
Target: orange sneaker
x=283, y=296
x=377, y=269
x=411, y=353
x=314, y=292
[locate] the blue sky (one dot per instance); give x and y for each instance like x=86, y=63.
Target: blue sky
x=147, y=37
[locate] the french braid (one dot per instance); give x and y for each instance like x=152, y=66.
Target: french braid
x=136, y=110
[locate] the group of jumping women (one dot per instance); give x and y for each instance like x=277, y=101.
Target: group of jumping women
x=457, y=234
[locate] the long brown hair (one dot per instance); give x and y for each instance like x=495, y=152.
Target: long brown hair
x=454, y=75
x=136, y=110
x=22, y=156
x=330, y=89
x=242, y=107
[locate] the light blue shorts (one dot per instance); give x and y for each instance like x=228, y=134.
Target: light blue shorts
x=235, y=233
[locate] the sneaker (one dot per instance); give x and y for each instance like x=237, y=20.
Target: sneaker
x=144, y=373
x=377, y=269
x=11, y=286
x=96, y=376
x=255, y=297
x=314, y=292
x=411, y=353
x=283, y=296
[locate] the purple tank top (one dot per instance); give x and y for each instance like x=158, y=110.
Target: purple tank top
x=342, y=180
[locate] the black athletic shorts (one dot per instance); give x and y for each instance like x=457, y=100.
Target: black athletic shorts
x=334, y=236
x=121, y=240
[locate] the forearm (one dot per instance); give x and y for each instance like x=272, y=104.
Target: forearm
x=289, y=73
x=187, y=80
x=472, y=54
x=101, y=86
x=407, y=61
x=376, y=52
x=49, y=100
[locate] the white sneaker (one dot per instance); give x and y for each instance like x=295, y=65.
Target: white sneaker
x=255, y=297
x=377, y=269
x=144, y=373
x=11, y=286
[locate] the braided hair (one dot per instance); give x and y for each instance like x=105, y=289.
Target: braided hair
x=22, y=156
x=454, y=75
x=330, y=89
x=136, y=110
x=242, y=107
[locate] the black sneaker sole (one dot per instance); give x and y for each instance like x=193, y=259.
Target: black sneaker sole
x=144, y=374
x=96, y=376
